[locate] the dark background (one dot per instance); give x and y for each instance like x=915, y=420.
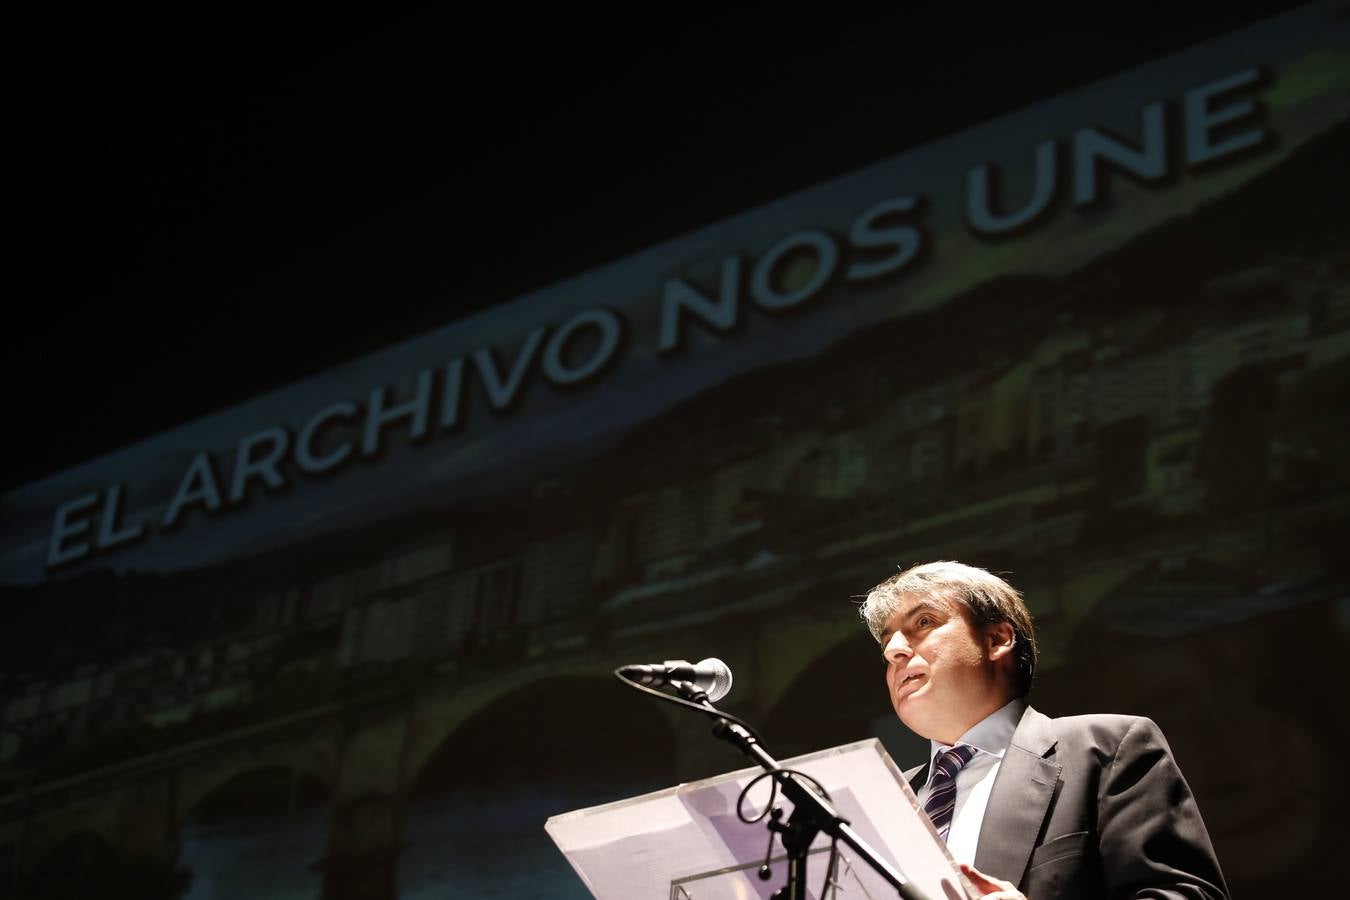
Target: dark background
x=209, y=204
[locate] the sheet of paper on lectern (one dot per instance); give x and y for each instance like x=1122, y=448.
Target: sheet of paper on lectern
x=687, y=843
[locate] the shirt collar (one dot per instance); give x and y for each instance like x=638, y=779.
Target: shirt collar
x=991, y=735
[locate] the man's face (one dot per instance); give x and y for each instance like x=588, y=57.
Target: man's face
x=939, y=670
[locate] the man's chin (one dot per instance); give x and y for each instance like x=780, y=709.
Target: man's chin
x=912, y=717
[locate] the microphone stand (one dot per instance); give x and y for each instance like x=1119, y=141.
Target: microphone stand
x=811, y=813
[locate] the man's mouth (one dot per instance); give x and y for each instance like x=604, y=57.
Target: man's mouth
x=909, y=679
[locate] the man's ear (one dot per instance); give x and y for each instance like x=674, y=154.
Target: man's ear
x=1000, y=638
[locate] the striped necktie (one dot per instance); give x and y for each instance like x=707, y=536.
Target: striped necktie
x=941, y=801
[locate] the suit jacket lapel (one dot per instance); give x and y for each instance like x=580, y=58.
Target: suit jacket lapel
x=917, y=777
x=1019, y=800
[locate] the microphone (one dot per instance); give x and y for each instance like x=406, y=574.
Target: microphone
x=712, y=676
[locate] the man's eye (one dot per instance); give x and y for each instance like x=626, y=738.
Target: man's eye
x=924, y=622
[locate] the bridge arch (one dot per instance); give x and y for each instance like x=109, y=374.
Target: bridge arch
x=569, y=722
x=263, y=829
x=268, y=790
x=308, y=762
x=476, y=808
x=1237, y=702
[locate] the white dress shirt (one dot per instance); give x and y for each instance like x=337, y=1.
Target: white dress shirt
x=989, y=737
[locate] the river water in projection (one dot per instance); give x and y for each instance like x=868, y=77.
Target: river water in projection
x=262, y=860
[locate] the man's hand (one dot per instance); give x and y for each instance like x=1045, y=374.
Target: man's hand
x=991, y=888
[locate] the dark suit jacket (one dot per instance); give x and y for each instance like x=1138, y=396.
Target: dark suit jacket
x=1093, y=807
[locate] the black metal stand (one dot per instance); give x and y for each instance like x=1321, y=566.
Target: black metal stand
x=811, y=813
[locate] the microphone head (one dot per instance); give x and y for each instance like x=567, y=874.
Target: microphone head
x=721, y=677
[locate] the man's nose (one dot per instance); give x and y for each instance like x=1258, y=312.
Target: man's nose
x=897, y=649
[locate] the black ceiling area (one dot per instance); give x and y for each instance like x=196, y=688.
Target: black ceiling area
x=207, y=204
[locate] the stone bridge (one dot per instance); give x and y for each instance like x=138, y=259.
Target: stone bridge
x=366, y=755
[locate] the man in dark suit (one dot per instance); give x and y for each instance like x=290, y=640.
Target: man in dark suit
x=1030, y=806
